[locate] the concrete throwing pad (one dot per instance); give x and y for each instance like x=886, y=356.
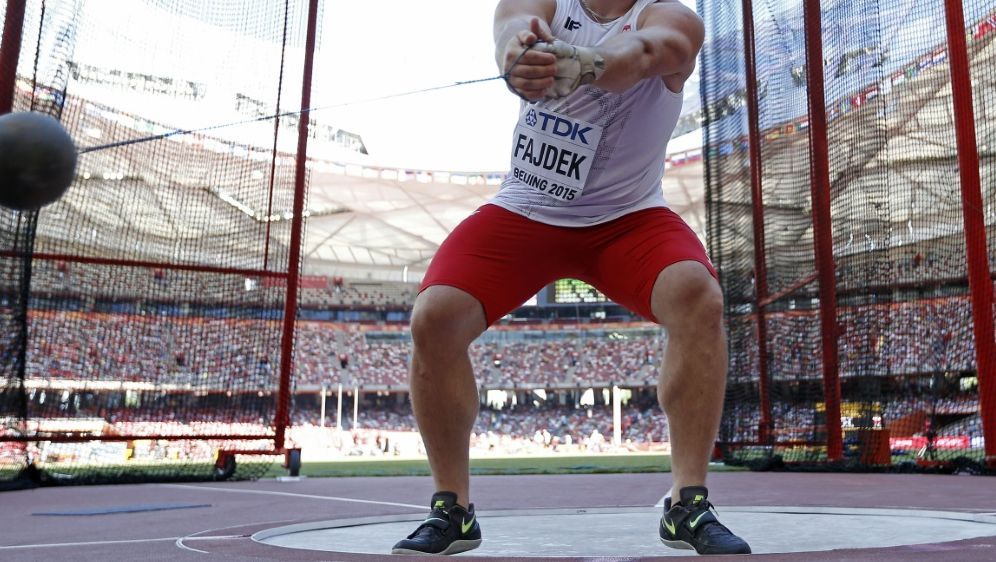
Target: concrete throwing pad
x=629, y=532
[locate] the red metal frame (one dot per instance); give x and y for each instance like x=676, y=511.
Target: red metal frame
x=297, y=229
x=10, y=52
x=757, y=204
x=823, y=226
x=788, y=290
x=72, y=438
x=152, y=265
x=224, y=453
x=979, y=279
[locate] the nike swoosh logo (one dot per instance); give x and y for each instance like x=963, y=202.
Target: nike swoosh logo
x=694, y=522
x=668, y=525
x=466, y=525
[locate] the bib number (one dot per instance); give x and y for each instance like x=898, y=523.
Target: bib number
x=553, y=153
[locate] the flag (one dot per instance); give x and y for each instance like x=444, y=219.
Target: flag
x=985, y=28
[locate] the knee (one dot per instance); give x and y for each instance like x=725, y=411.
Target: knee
x=708, y=303
x=694, y=304
x=445, y=318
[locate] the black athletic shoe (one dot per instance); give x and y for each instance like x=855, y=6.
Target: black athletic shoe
x=449, y=529
x=691, y=524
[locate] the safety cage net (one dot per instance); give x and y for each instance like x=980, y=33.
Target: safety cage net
x=882, y=334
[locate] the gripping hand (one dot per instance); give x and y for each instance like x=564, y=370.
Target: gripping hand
x=576, y=66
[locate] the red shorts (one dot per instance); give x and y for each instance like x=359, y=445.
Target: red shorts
x=503, y=259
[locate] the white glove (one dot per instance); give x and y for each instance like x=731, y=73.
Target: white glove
x=575, y=66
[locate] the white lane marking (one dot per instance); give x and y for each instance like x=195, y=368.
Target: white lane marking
x=128, y=541
x=90, y=543
x=180, y=541
x=292, y=495
x=179, y=544
x=195, y=537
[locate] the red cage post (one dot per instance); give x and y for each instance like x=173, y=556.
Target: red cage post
x=757, y=205
x=979, y=281
x=10, y=52
x=823, y=226
x=297, y=231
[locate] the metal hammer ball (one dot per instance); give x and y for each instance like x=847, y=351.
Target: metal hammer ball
x=37, y=160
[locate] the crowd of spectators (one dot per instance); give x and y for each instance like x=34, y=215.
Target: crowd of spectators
x=242, y=355
x=95, y=282
x=948, y=405
x=203, y=353
x=877, y=340
x=802, y=421
x=549, y=424
x=937, y=262
x=901, y=338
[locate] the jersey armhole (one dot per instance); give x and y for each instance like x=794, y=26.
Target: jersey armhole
x=669, y=92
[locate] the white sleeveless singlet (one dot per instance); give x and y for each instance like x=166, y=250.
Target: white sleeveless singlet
x=593, y=156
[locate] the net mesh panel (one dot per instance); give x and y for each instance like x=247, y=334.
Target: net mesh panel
x=181, y=352
x=16, y=239
x=17, y=234
x=906, y=345
x=728, y=196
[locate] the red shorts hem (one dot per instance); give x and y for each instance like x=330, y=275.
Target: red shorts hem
x=502, y=258
x=459, y=284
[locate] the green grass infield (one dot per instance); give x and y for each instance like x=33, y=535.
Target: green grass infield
x=494, y=466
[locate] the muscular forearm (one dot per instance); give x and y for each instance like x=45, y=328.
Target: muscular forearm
x=519, y=24
x=525, y=19
x=504, y=33
x=665, y=45
x=631, y=57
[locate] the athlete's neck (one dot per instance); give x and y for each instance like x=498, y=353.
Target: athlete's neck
x=610, y=9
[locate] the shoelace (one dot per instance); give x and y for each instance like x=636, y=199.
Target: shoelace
x=709, y=526
x=436, y=514
x=707, y=506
